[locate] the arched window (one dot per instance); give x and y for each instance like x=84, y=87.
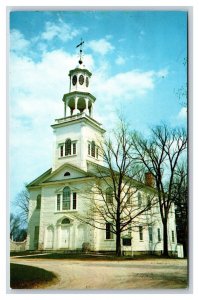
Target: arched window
x=109, y=195
x=67, y=174
x=66, y=198
x=65, y=221
x=38, y=206
x=139, y=199
x=93, y=149
x=68, y=147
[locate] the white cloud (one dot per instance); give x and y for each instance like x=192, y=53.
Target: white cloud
x=36, y=91
x=17, y=41
x=182, y=113
x=113, y=92
x=120, y=60
x=61, y=30
x=127, y=85
x=101, y=46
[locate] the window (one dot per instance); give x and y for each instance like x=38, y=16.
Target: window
x=109, y=233
x=139, y=199
x=38, y=206
x=65, y=221
x=172, y=236
x=61, y=150
x=126, y=242
x=68, y=147
x=74, y=200
x=150, y=234
x=74, y=148
x=89, y=149
x=93, y=149
x=66, y=199
x=109, y=195
x=141, y=233
x=159, y=235
x=58, y=202
x=67, y=174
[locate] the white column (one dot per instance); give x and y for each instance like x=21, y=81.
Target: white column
x=91, y=111
x=76, y=102
x=86, y=110
x=67, y=109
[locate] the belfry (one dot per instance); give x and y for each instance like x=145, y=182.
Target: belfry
x=78, y=134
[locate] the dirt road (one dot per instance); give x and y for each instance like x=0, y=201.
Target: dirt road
x=117, y=275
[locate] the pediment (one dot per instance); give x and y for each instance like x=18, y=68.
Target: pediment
x=66, y=171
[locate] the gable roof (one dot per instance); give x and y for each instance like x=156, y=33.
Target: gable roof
x=39, y=179
x=49, y=174
x=100, y=171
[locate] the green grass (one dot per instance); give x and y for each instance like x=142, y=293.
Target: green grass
x=26, y=277
x=83, y=256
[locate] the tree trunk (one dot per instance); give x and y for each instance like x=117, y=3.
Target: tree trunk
x=165, y=239
x=118, y=244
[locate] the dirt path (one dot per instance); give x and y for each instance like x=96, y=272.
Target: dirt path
x=93, y=274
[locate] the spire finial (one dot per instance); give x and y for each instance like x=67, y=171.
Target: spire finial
x=80, y=51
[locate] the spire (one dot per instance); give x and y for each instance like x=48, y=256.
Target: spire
x=80, y=51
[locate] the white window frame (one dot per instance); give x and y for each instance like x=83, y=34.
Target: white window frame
x=72, y=152
x=89, y=150
x=61, y=202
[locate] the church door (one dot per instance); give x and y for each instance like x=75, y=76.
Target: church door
x=65, y=237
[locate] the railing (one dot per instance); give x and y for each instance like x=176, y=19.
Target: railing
x=75, y=117
x=70, y=118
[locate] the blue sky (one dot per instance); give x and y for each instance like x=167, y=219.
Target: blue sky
x=137, y=60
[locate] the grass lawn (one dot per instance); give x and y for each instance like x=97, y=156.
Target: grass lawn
x=84, y=256
x=26, y=277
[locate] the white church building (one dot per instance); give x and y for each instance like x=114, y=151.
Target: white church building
x=56, y=197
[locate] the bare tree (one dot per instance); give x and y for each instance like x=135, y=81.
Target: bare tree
x=22, y=203
x=17, y=233
x=14, y=225
x=113, y=206
x=180, y=198
x=160, y=154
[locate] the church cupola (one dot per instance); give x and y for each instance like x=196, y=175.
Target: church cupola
x=78, y=135
x=79, y=100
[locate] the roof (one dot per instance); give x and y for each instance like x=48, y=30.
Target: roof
x=46, y=176
x=106, y=169
x=98, y=171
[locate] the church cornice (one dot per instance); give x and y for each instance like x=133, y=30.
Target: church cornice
x=78, y=94
x=79, y=70
x=76, y=119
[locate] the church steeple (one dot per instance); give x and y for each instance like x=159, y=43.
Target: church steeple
x=79, y=99
x=78, y=135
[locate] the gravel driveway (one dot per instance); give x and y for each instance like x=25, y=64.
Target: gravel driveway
x=93, y=274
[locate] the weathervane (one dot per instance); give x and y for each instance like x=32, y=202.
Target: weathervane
x=80, y=51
